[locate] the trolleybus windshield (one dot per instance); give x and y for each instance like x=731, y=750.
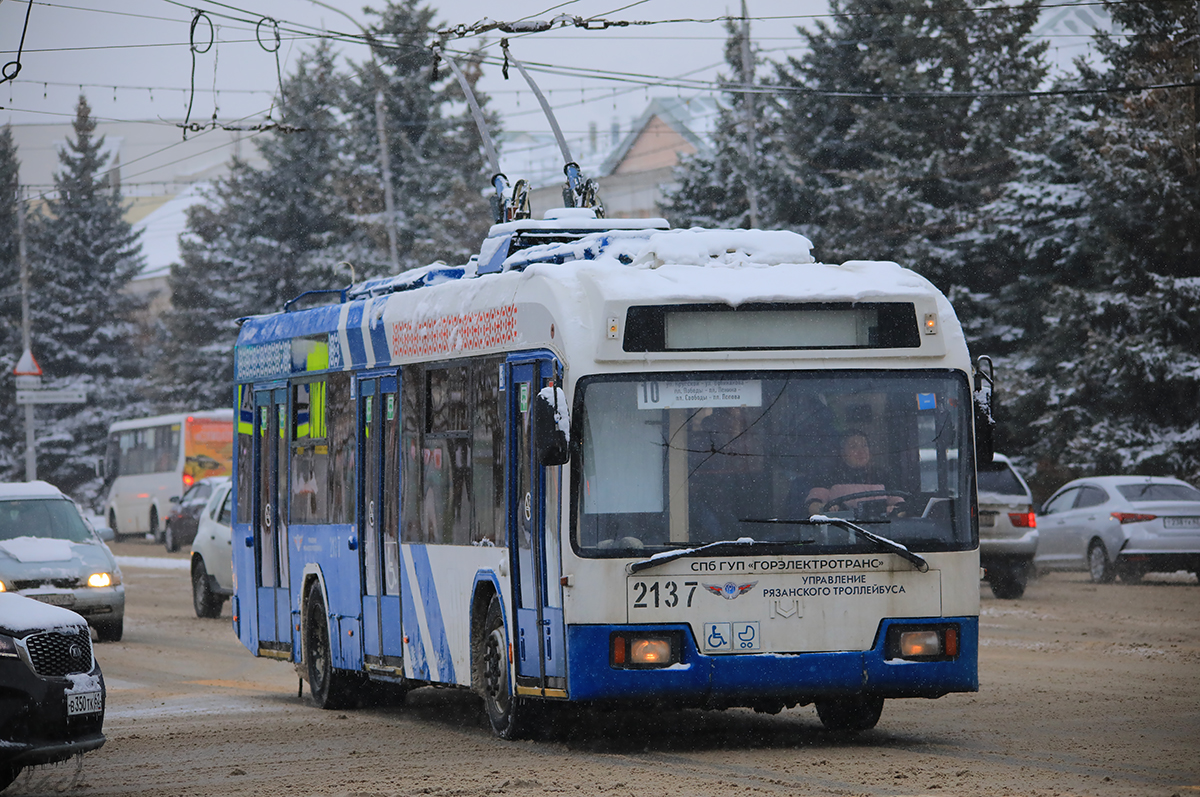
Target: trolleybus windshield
x=677, y=460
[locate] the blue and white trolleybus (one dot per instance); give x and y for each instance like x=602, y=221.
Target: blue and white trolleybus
x=610, y=462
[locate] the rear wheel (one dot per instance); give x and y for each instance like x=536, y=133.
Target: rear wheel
x=206, y=602
x=110, y=630
x=850, y=714
x=1099, y=566
x=508, y=713
x=154, y=524
x=331, y=688
x=112, y=524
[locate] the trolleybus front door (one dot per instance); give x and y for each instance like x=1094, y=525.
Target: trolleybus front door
x=379, y=522
x=539, y=647
x=270, y=522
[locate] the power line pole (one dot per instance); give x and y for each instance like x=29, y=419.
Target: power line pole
x=748, y=107
x=26, y=342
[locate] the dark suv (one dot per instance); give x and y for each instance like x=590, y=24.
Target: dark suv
x=51, y=688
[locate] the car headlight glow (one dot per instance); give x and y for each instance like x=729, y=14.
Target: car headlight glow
x=100, y=580
x=2, y=587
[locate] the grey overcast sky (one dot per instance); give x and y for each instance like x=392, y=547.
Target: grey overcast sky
x=132, y=58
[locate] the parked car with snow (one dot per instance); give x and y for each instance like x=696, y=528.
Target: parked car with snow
x=1008, y=533
x=51, y=687
x=212, y=554
x=48, y=553
x=183, y=514
x=1121, y=525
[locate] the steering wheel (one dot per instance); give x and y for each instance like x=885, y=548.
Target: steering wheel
x=841, y=501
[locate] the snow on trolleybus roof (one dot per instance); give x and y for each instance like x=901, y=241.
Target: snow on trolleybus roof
x=574, y=280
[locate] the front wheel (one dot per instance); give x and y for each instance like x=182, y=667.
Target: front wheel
x=206, y=602
x=1099, y=566
x=331, y=688
x=507, y=712
x=850, y=714
x=110, y=630
x=112, y=524
x=169, y=541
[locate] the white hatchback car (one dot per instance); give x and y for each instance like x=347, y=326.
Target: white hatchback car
x=1121, y=525
x=212, y=554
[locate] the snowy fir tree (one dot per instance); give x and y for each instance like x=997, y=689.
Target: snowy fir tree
x=82, y=254
x=12, y=439
x=261, y=238
x=713, y=186
x=436, y=157
x=894, y=135
x=266, y=235
x=1105, y=331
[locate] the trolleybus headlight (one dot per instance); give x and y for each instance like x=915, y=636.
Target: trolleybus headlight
x=643, y=651
x=922, y=643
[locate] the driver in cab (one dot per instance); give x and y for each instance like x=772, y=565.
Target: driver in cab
x=852, y=474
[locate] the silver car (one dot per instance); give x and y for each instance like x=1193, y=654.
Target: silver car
x=1008, y=532
x=212, y=554
x=48, y=553
x=1121, y=525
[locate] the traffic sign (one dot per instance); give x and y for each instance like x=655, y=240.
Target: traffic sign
x=51, y=396
x=27, y=365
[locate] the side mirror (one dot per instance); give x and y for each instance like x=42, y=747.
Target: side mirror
x=985, y=421
x=174, y=499
x=106, y=534
x=551, y=427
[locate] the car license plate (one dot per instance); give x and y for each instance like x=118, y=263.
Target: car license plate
x=84, y=703
x=1181, y=522
x=55, y=598
x=987, y=518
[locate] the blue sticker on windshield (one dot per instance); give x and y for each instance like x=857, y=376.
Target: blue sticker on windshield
x=926, y=401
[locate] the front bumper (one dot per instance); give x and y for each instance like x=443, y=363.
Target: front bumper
x=724, y=681
x=34, y=725
x=94, y=603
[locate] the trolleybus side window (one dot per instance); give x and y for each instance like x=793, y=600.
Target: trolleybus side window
x=310, y=452
x=412, y=402
x=446, y=457
x=487, y=453
x=341, y=421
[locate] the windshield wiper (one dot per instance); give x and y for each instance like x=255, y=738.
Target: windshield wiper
x=879, y=540
x=748, y=543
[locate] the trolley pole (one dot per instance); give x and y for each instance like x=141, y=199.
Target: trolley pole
x=748, y=106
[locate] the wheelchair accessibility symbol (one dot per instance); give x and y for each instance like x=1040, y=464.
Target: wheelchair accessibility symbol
x=742, y=637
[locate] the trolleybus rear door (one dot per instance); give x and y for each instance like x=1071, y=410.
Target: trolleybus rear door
x=379, y=522
x=270, y=521
x=539, y=647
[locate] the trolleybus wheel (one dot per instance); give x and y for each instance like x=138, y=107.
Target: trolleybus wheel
x=507, y=713
x=1008, y=580
x=850, y=714
x=331, y=689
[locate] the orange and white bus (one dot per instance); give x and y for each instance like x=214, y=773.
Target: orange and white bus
x=150, y=460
